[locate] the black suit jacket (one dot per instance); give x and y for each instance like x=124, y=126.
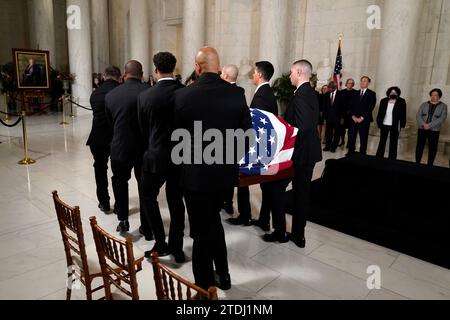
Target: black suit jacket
x=121, y=110
x=333, y=112
x=363, y=107
x=265, y=100
x=303, y=113
x=101, y=133
x=156, y=107
x=347, y=98
x=218, y=105
x=399, y=113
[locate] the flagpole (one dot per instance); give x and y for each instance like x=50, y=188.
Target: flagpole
x=337, y=78
x=341, y=36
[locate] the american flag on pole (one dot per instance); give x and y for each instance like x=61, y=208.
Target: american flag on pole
x=273, y=146
x=338, y=68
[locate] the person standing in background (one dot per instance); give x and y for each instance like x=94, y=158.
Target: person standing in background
x=362, y=106
x=348, y=94
x=391, y=119
x=430, y=118
x=322, y=96
x=332, y=107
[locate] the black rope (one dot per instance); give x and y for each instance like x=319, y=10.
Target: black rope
x=11, y=125
x=10, y=114
x=79, y=105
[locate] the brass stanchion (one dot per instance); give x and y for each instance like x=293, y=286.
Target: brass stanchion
x=6, y=108
x=64, y=122
x=26, y=160
x=72, y=115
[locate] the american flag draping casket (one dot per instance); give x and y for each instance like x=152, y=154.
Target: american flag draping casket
x=272, y=148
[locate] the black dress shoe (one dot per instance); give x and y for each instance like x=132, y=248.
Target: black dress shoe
x=105, y=207
x=239, y=222
x=264, y=227
x=223, y=282
x=124, y=226
x=326, y=149
x=275, y=237
x=163, y=251
x=179, y=257
x=333, y=150
x=342, y=144
x=301, y=243
x=228, y=209
x=148, y=237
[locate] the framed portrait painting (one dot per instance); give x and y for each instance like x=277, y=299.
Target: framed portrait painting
x=32, y=69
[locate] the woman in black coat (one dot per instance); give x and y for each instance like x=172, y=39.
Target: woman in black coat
x=391, y=119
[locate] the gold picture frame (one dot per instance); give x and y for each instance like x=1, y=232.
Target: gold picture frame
x=32, y=68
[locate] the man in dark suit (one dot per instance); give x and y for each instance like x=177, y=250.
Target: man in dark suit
x=230, y=73
x=347, y=94
x=264, y=99
x=156, y=116
x=303, y=113
x=127, y=144
x=333, y=110
x=101, y=135
x=362, y=106
x=211, y=103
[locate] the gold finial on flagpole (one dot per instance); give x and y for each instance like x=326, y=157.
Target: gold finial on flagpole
x=341, y=36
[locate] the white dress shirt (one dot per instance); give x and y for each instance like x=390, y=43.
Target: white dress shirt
x=389, y=119
x=333, y=97
x=262, y=84
x=166, y=79
x=300, y=85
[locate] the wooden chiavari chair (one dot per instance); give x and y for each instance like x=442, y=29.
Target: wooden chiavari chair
x=169, y=285
x=71, y=228
x=118, y=265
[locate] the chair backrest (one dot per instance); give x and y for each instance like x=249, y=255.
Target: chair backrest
x=69, y=219
x=169, y=285
x=117, y=262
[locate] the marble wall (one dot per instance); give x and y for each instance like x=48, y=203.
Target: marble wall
x=235, y=27
x=14, y=24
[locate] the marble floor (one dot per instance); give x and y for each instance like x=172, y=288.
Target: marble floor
x=32, y=262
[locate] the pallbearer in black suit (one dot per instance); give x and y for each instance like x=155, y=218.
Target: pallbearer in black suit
x=391, y=119
x=156, y=120
x=264, y=99
x=303, y=113
x=219, y=106
x=127, y=143
x=101, y=135
x=363, y=103
x=230, y=73
x=333, y=110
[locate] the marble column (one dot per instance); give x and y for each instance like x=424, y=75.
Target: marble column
x=400, y=21
x=193, y=33
x=140, y=34
x=42, y=28
x=100, y=35
x=80, y=53
x=272, y=41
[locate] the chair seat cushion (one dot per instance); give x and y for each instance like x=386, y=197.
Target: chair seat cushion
x=92, y=259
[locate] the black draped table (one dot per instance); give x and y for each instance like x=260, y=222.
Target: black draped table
x=400, y=205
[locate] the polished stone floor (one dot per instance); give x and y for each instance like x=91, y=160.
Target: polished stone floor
x=32, y=261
